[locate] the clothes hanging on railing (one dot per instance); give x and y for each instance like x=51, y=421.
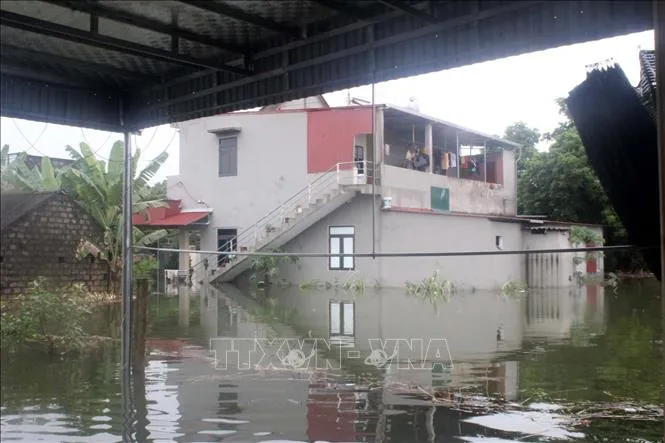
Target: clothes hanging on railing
x=445, y=161
x=453, y=160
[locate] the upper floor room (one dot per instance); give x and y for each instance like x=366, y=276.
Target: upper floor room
x=403, y=151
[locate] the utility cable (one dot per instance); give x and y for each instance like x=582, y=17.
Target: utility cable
x=405, y=254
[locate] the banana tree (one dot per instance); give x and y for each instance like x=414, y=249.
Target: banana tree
x=97, y=187
x=18, y=176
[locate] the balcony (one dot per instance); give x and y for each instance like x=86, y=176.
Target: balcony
x=464, y=171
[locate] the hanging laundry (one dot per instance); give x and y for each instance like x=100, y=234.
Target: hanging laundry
x=465, y=162
x=453, y=160
x=445, y=161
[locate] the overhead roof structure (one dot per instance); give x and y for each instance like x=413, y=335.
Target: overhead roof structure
x=117, y=65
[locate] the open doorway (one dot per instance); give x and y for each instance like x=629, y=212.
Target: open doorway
x=226, y=242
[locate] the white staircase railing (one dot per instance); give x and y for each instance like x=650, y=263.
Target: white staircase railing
x=270, y=225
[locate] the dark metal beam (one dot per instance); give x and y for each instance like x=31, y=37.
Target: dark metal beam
x=17, y=69
x=9, y=52
x=399, y=5
x=117, y=15
x=362, y=48
x=346, y=8
x=238, y=14
x=37, y=26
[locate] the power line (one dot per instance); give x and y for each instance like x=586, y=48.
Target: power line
x=404, y=254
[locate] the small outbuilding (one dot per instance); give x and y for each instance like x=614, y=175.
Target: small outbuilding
x=39, y=236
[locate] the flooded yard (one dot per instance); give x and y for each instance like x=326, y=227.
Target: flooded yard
x=568, y=364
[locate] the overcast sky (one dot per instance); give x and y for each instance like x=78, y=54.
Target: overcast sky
x=486, y=96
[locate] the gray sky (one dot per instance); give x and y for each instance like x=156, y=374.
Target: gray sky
x=486, y=96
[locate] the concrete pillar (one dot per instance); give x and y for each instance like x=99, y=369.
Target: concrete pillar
x=183, y=255
x=428, y=146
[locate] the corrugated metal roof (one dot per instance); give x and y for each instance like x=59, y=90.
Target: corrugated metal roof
x=99, y=64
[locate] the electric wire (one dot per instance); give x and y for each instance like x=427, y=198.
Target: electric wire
x=403, y=254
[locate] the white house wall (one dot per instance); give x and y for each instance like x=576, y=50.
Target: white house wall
x=554, y=270
x=411, y=232
x=272, y=165
x=411, y=189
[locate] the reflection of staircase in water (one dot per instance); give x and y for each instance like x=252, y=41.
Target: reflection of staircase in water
x=320, y=198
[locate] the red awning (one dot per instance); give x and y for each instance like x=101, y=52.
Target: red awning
x=168, y=217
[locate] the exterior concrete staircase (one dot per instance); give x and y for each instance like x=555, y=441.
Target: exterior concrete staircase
x=320, y=198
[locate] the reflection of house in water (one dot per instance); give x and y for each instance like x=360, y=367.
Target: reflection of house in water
x=329, y=409
x=552, y=313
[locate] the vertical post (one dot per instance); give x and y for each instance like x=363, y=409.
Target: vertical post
x=459, y=159
x=659, y=31
x=485, y=161
x=429, y=146
x=127, y=261
x=126, y=332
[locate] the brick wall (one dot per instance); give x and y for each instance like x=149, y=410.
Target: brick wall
x=44, y=242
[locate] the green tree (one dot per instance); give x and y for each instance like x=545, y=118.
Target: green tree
x=527, y=138
x=561, y=185
x=97, y=187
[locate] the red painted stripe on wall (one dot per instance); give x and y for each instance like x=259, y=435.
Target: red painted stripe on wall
x=330, y=136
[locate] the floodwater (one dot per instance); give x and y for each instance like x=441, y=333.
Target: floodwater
x=531, y=352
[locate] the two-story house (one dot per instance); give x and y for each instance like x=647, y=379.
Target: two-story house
x=308, y=178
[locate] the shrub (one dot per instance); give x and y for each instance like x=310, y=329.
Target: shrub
x=42, y=315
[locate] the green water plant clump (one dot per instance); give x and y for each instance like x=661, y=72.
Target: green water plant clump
x=46, y=316
x=265, y=269
x=513, y=288
x=432, y=287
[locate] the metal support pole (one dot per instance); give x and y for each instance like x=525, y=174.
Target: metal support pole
x=374, y=151
x=127, y=248
x=459, y=159
x=485, y=161
x=126, y=333
x=659, y=31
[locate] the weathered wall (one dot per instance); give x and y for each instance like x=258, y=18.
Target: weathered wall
x=330, y=136
x=554, y=270
x=43, y=244
x=272, y=166
x=411, y=232
x=411, y=189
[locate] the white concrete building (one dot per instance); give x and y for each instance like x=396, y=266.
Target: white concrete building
x=300, y=178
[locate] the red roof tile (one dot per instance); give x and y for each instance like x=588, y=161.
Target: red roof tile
x=168, y=217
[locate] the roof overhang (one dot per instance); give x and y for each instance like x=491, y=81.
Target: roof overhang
x=467, y=136
x=133, y=64
x=172, y=216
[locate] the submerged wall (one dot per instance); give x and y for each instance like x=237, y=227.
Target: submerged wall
x=410, y=232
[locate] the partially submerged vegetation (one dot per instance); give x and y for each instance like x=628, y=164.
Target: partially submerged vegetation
x=265, y=269
x=356, y=286
x=49, y=317
x=513, y=288
x=433, y=289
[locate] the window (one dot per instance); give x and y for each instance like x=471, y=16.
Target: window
x=499, y=242
x=342, y=241
x=342, y=319
x=228, y=156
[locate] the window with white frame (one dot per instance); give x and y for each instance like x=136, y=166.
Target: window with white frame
x=342, y=241
x=342, y=319
x=228, y=156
